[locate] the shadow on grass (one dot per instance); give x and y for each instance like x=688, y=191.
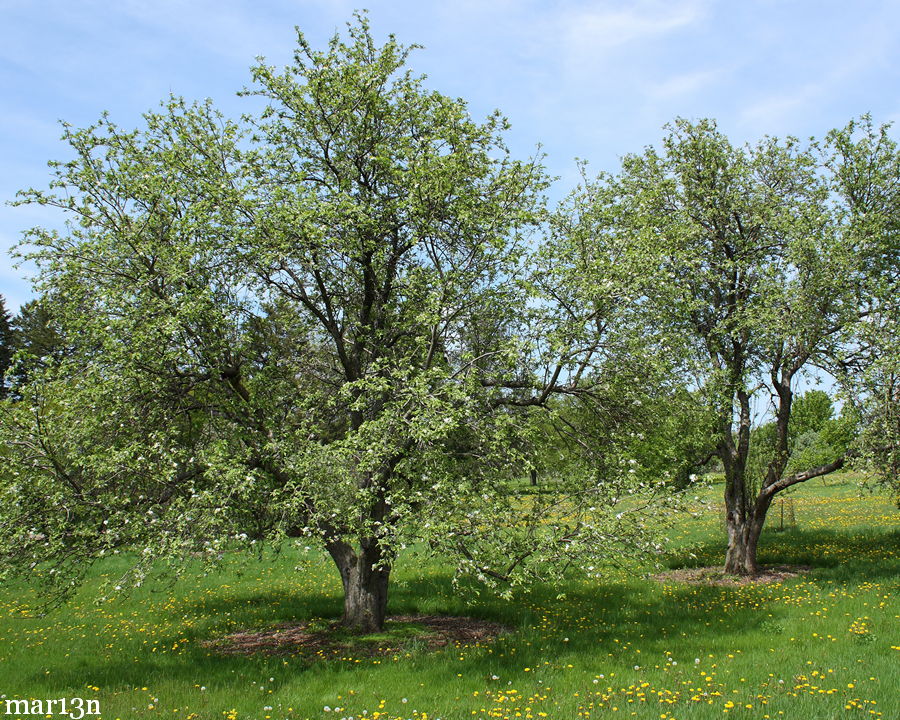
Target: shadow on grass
x=833, y=555
x=604, y=621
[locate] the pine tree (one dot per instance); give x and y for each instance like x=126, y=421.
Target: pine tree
x=7, y=346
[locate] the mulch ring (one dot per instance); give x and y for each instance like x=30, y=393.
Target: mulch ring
x=331, y=641
x=715, y=575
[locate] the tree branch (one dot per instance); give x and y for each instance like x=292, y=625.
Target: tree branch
x=779, y=485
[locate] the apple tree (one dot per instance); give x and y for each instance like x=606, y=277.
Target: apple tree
x=760, y=264
x=330, y=321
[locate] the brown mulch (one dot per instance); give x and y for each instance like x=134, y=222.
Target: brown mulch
x=318, y=643
x=715, y=576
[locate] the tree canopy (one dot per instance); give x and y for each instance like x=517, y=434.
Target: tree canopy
x=759, y=264
x=333, y=321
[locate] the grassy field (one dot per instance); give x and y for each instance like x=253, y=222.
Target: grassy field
x=825, y=645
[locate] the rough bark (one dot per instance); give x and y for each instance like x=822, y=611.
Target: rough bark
x=747, y=515
x=743, y=525
x=744, y=529
x=745, y=521
x=740, y=558
x=365, y=579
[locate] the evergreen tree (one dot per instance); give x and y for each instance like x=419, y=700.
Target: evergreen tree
x=7, y=347
x=33, y=331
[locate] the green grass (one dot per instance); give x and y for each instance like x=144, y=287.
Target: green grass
x=826, y=645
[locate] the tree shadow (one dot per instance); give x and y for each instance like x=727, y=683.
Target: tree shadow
x=832, y=555
x=603, y=620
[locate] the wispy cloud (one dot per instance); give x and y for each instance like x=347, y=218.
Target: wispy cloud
x=844, y=79
x=776, y=109
x=235, y=32
x=590, y=32
x=683, y=84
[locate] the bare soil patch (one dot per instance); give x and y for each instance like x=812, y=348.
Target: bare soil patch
x=317, y=641
x=715, y=575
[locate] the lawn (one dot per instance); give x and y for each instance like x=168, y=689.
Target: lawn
x=822, y=645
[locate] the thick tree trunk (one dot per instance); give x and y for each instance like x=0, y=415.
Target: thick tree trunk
x=365, y=585
x=743, y=538
x=745, y=521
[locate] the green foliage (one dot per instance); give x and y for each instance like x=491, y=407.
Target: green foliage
x=810, y=412
x=7, y=345
x=328, y=322
x=750, y=265
x=835, y=438
x=816, y=438
x=37, y=342
x=879, y=407
x=866, y=165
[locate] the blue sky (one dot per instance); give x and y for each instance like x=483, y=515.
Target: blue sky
x=593, y=79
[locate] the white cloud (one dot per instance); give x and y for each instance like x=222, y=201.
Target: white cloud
x=683, y=84
x=840, y=79
x=235, y=32
x=588, y=33
x=776, y=109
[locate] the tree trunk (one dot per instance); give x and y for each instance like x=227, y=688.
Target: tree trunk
x=743, y=538
x=533, y=477
x=365, y=585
